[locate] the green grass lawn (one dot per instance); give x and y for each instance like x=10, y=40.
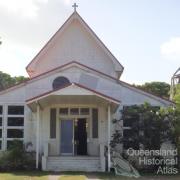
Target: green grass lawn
x=71, y=177
x=31, y=175
x=39, y=175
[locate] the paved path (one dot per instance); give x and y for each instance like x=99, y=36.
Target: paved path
x=53, y=177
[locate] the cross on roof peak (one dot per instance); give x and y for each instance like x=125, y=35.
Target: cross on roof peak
x=74, y=6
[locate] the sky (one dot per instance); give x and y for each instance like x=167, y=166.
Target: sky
x=144, y=35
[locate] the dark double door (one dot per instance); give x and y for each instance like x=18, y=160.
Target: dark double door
x=80, y=137
x=74, y=137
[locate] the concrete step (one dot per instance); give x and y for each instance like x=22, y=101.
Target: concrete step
x=66, y=163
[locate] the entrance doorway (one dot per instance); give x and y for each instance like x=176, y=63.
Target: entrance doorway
x=67, y=137
x=73, y=137
x=80, y=137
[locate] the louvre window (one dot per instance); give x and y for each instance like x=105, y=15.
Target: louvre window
x=15, y=133
x=63, y=111
x=15, y=121
x=129, y=142
x=131, y=124
x=0, y=121
x=84, y=111
x=15, y=110
x=53, y=123
x=1, y=110
x=129, y=121
x=74, y=111
x=95, y=123
x=0, y=133
x=10, y=144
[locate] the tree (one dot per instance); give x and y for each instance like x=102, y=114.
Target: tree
x=175, y=115
x=150, y=127
x=19, y=79
x=6, y=80
x=158, y=88
x=176, y=97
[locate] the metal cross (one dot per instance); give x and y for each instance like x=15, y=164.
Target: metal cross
x=74, y=6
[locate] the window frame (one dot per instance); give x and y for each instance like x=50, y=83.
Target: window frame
x=95, y=135
x=15, y=114
x=126, y=127
x=60, y=81
x=6, y=127
x=15, y=117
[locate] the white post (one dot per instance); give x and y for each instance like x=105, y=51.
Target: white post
x=109, y=136
x=37, y=135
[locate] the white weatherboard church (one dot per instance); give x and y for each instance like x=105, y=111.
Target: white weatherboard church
x=65, y=109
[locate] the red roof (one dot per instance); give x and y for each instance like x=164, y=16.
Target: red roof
x=77, y=84
x=117, y=80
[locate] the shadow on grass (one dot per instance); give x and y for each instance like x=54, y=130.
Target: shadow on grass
x=29, y=173
x=22, y=175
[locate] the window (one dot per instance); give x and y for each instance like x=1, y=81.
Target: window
x=10, y=144
x=15, y=110
x=1, y=110
x=84, y=111
x=95, y=123
x=63, y=111
x=0, y=121
x=15, y=123
x=15, y=133
x=74, y=111
x=130, y=120
x=129, y=142
x=53, y=123
x=0, y=133
x=60, y=82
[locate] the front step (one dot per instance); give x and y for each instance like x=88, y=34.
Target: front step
x=74, y=163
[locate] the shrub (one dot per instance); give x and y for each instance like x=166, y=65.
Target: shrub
x=16, y=158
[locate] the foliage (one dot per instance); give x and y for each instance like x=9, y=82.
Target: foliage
x=16, y=158
x=150, y=128
x=161, y=89
x=6, y=80
x=176, y=97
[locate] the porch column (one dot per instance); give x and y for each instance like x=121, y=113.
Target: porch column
x=37, y=135
x=109, y=136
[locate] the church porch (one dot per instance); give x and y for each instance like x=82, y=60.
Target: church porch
x=72, y=131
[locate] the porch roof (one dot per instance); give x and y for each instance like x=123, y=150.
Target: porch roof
x=69, y=94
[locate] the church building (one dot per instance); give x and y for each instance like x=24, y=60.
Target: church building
x=65, y=109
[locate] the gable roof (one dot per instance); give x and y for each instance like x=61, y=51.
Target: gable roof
x=125, y=84
x=99, y=94
x=75, y=15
